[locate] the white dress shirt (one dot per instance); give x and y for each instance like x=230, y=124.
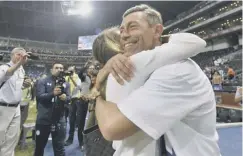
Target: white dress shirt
x=85, y=86
x=11, y=91
x=177, y=100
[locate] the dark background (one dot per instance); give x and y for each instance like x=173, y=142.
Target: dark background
x=45, y=20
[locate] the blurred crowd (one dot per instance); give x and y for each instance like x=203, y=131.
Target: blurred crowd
x=46, y=51
x=43, y=47
x=222, y=67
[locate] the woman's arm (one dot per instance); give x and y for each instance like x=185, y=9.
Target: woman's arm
x=180, y=46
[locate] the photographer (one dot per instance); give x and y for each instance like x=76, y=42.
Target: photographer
x=75, y=107
x=11, y=84
x=52, y=93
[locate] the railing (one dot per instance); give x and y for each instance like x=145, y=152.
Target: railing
x=221, y=16
x=193, y=14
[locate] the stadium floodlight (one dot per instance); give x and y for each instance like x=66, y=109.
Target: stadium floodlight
x=84, y=8
x=71, y=12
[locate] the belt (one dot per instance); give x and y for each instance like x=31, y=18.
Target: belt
x=8, y=105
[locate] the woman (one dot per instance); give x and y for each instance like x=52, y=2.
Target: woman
x=91, y=116
x=107, y=45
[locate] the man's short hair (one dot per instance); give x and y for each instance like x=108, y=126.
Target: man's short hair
x=153, y=16
x=16, y=50
x=53, y=64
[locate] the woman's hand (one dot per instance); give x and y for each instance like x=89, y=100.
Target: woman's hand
x=120, y=66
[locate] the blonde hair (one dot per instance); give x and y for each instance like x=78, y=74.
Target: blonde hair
x=107, y=44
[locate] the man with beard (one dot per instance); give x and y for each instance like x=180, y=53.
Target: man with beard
x=177, y=100
x=52, y=93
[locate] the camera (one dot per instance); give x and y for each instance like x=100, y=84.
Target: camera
x=60, y=80
x=68, y=73
x=33, y=56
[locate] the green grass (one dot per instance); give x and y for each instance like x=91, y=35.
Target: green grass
x=29, y=150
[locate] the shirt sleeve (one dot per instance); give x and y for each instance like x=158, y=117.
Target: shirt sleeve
x=161, y=102
x=78, y=82
x=3, y=70
x=41, y=93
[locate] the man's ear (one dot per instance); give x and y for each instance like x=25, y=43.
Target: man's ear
x=158, y=29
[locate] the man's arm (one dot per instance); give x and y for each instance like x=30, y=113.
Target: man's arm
x=41, y=93
x=3, y=71
x=13, y=68
x=154, y=108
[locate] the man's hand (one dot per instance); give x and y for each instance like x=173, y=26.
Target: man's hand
x=23, y=57
x=57, y=91
x=27, y=83
x=63, y=97
x=84, y=97
x=120, y=66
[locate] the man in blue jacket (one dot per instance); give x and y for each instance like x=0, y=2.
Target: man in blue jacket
x=52, y=93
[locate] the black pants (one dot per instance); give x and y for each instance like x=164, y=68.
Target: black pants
x=66, y=111
x=58, y=137
x=78, y=114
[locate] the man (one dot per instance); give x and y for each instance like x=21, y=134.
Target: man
x=52, y=93
x=84, y=76
x=177, y=99
x=75, y=108
x=11, y=83
x=230, y=73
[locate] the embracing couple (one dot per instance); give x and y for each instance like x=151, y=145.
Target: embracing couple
x=151, y=88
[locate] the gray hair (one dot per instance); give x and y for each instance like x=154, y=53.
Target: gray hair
x=16, y=50
x=153, y=16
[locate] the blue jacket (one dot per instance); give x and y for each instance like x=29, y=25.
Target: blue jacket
x=46, y=98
